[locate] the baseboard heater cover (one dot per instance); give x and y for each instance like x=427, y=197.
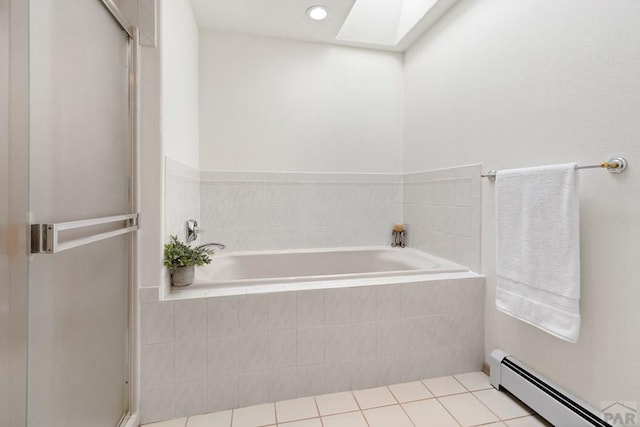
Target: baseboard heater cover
x=551, y=402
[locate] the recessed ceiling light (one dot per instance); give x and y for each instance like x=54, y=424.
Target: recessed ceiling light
x=318, y=13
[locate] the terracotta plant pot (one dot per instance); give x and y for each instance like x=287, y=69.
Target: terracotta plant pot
x=183, y=276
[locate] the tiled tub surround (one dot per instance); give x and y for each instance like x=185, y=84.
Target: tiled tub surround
x=208, y=354
x=270, y=211
x=441, y=209
x=273, y=211
x=182, y=197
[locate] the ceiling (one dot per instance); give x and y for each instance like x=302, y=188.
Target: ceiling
x=287, y=19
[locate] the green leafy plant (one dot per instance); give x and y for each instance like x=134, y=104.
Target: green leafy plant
x=177, y=254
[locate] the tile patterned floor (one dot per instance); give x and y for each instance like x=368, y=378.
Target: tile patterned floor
x=461, y=400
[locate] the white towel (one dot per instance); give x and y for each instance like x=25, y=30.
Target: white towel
x=538, y=247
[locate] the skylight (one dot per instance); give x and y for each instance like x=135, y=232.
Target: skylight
x=383, y=22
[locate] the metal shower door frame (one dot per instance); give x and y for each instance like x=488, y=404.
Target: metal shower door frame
x=44, y=237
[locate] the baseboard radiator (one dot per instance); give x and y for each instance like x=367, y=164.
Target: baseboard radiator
x=552, y=403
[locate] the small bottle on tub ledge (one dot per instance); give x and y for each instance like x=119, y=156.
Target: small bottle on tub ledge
x=398, y=235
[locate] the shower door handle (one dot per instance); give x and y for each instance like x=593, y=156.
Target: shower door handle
x=45, y=237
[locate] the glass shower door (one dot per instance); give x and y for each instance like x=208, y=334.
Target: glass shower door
x=80, y=169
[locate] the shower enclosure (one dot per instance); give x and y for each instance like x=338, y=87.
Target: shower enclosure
x=77, y=160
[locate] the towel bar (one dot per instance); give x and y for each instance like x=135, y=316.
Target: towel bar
x=615, y=165
x=44, y=237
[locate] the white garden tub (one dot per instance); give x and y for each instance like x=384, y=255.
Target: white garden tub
x=268, y=271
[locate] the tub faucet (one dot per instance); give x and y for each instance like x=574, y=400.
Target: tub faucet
x=218, y=245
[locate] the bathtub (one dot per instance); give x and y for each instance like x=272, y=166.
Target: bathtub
x=309, y=322
x=269, y=271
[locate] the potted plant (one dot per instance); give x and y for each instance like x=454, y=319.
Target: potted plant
x=181, y=261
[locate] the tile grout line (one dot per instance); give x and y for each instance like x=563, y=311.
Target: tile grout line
x=475, y=397
x=318, y=410
x=400, y=405
x=358, y=404
x=447, y=409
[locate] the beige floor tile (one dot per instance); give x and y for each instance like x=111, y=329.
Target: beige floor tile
x=252, y=416
x=501, y=404
x=468, y=410
x=314, y=422
x=216, y=419
x=530, y=421
x=178, y=422
x=336, y=403
x=409, y=392
x=387, y=417
x=429, y=413
x=374, y=397
x=296, y=409
x=474, y=381
x=444, y=386
x=351, y=419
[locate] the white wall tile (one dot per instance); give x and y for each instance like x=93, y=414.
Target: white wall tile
x=283, y=384
x=191, y=398
x=389, y=338
x=338, y=343
x=439, y=362
x=190, y=360
x=337, y=306
x=282, y=310
x=413, y=366
x=241, y=212
x=222, y=393
x=364, y=304
x=388, y=370
x=253, y=352
x=337, y=376
x=310, y=308
x=156, y=323
x=334, y=340
x=156, y=364
x=413, y=297
x=310, y=380
x=253, y=313
x=282, y=348
x=222, y=316
x=363, y=373
x=310, y=346
x=280, y=215
x=413, y=336
x=429, y=332
x=389, y=302
x=148, y=295
x=253, y=389
x=440, y=214
x=157, y=403
x=285, y=193
x=364, y=338
x=190, y=317
x=222, y=356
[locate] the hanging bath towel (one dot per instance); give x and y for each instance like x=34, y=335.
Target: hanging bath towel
x=538, y=247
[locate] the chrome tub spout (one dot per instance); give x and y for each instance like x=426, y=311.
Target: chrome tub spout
x=208, y=245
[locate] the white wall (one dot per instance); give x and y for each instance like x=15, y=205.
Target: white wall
x=179, y=90
x=516, y=83
x=276, y=105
